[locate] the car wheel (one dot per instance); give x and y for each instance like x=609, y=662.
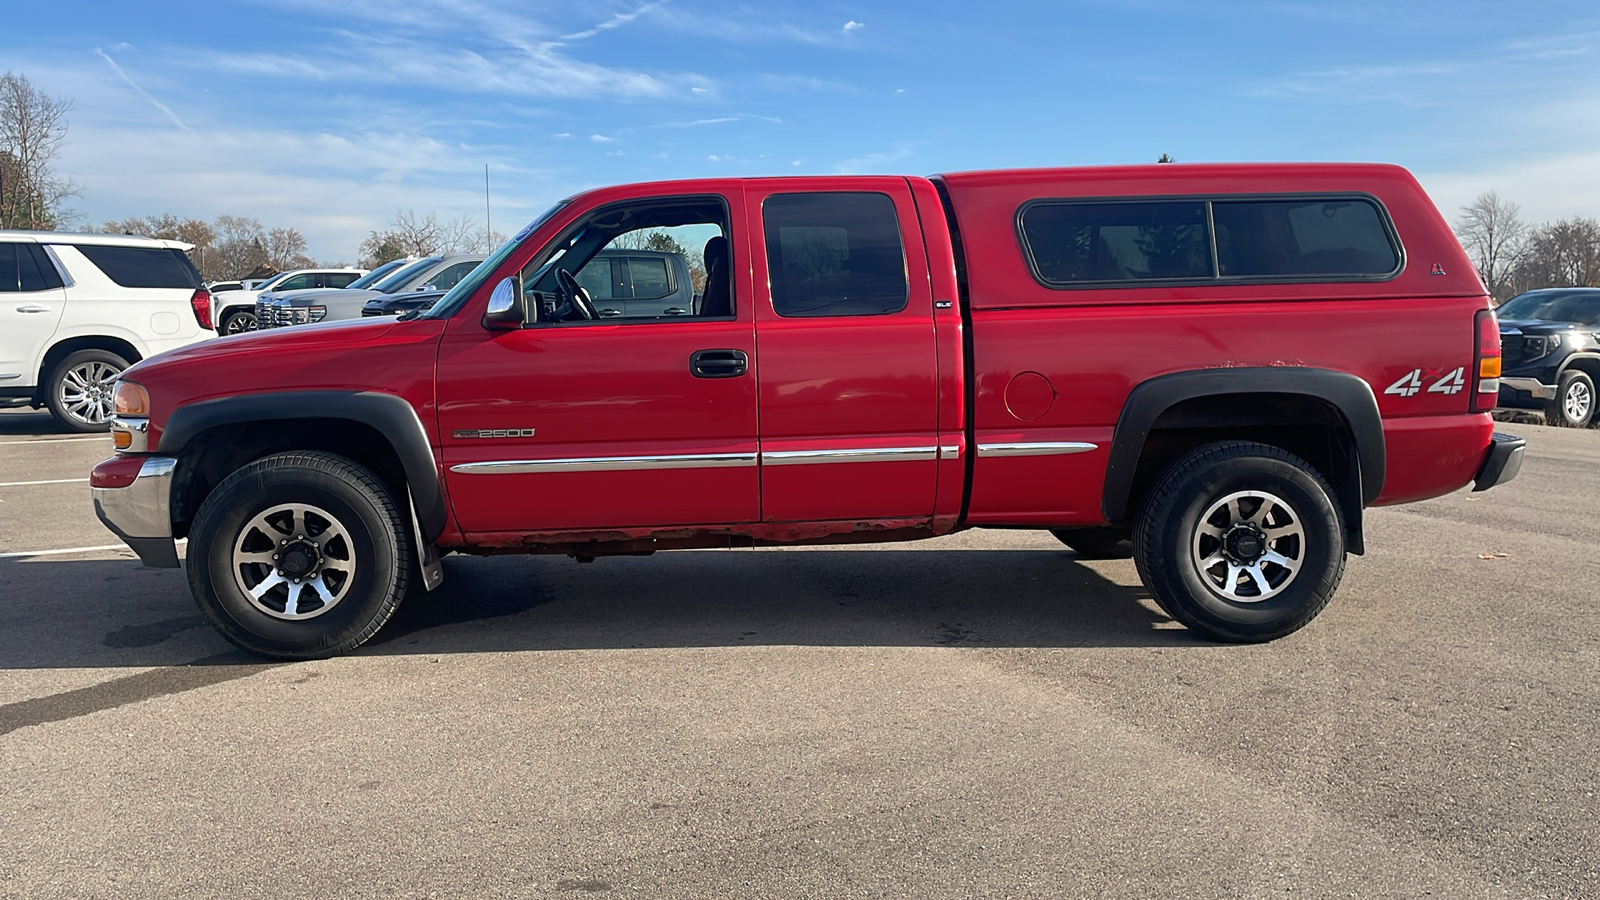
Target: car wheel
x=1240, y=542
x=1095, y=543
x=299, y=556
x=80, y=389
x=239, y=323
x=1575, y=401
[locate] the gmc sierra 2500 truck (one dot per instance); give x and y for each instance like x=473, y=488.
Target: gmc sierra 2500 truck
x=1225, y=364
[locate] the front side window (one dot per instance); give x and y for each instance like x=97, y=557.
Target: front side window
x=296, y=283
x=834, y=254
x=447, y=279
x=143, y=267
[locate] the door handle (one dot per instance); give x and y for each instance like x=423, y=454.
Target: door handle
x=33, y=308
x=675, y=311
x=609, y=313
x=718, y=363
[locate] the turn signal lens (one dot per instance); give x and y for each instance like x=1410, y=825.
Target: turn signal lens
x=121, y=440
x=130, y=399
x=1489, y=368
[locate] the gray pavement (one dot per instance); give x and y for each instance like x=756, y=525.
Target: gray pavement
x=982, y=715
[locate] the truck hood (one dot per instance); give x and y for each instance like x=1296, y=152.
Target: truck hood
x=246, y=349
x=315, y=296
x=1542, y=326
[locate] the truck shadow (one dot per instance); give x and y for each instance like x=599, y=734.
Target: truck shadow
x=32, y=423
x=116, y=613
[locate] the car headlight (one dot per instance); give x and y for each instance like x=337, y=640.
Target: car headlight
x=317, y=312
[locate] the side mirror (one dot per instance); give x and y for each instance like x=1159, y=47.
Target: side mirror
x=504, y=312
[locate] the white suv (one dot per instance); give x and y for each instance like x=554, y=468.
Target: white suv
x=234, y=311
x=77, y=309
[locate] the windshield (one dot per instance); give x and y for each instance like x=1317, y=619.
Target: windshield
x=398, y=280
x=267, y=285
x=464, y=288
x=1555, y=306
x=367, y=279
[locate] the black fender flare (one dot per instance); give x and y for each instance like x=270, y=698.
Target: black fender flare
x=389, y=415
x=1347, y=393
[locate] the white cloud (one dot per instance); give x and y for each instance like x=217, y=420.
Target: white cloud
x=602, y=138
x=853, y=25
x=563, y=134
x=616, y=21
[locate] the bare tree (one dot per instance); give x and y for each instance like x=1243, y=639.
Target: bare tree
x=1494, y=235
x=286, y=249
x=33, y=127
x=240, y=247
x=170, y=227
x=1560, y=254
x=411, y=235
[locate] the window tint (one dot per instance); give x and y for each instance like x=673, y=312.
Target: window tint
x=296, y=283
x=1081, y=242
x=35, y=270
x=341, y=279
x=649, y=277
x=835, y=254
x=142, y=267
x=596, y=278
x=447, y=279
x=9, y=281
x=1302, y=237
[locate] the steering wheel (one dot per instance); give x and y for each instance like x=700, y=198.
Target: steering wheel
x=575, y=295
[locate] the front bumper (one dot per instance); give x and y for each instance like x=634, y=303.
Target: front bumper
x=141, y=512
x=1502, y=463
x=1532, y=386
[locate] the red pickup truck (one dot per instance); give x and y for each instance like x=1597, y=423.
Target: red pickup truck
x=1215, y=368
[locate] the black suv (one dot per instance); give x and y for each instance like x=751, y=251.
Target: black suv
x=1550, y=358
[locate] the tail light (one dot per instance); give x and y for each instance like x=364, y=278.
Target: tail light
x=201, y=303
x=1486, y=391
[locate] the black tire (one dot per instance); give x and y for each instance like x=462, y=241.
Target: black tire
x=238, y=322
x=1168, y=542
x=1574, y=404
x=78, y=391
x=1095, y=543
x=376, y=540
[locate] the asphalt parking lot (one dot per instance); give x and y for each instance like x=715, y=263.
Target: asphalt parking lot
x=979, y=715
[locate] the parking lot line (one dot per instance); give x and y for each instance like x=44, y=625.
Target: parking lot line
x=63, y=550
x=53, y=481
x=63, y=440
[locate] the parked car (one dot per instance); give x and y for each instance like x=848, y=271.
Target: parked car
x=373, y=278
x=78, y=309
x=217, y=287
x=1551, y=354
x=400, y=304
x=304, y=307
x=234, y=311
x=1226, y=364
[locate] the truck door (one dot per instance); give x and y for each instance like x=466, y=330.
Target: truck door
x=848, y=367
x=573, y=423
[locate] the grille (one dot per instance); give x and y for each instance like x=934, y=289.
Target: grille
x=1510, y=350
x=270, y=315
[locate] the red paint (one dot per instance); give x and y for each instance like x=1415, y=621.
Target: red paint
x=1040, y=364
x=116, y=472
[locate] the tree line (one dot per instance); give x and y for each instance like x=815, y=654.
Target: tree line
x=1514, y=256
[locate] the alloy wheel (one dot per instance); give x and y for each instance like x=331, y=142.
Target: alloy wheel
x=86, y=391
x=294, y=561
x=1249, y=546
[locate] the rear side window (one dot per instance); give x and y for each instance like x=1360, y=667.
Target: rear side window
x=24, y=267
x=1300, y=237
x=649, y=277
x=834, y=254
x=1118, y=241
x=1070, y=243
x=342, y=279
x=143, y=267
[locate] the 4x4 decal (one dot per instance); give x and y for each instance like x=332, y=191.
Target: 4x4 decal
x=1410, y=384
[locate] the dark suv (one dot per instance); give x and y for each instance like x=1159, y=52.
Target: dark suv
x=1550, y=354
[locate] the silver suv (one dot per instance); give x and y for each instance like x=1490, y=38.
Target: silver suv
x=304, y=307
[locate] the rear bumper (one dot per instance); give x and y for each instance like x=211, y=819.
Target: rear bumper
x=141, y=512
x=1502, y=463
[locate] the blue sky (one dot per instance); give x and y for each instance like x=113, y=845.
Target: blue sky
x=329, y=117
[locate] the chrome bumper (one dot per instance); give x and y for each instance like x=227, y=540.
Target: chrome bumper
x=1533, y=386
x=141, y=513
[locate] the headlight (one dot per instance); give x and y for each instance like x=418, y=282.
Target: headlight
x=1554, y=342
x=130, y=399
x=317, y=312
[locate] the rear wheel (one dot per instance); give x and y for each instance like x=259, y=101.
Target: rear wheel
x=1095, y=543
x=80, y=388
x=299, y=556
x=1574, y=404
x=1240, y=542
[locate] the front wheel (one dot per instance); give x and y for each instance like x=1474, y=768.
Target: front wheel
x=1575, y=401
x=299, y=556
x=1240, y=542
x=239, y=322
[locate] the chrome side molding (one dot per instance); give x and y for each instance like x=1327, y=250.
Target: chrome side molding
x=1035, y=448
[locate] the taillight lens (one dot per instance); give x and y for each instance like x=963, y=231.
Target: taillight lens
x=201, y=302
x=1487, y=389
